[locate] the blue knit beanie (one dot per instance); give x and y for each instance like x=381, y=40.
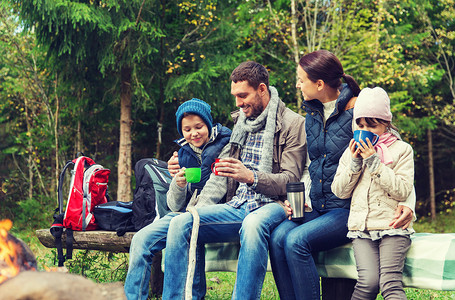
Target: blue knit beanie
x=197, y=107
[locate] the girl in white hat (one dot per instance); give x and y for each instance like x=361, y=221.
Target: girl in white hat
x=377, y=177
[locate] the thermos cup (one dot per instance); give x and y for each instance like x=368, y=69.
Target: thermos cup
x=296, y=197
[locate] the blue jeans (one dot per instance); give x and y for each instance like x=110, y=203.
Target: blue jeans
x=223, y=223
x=144, y=245
x=293, y=244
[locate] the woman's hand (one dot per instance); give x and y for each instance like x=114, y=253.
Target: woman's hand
x=403, y=217
x=366, y=149
x=180, y=178
x=288, y=209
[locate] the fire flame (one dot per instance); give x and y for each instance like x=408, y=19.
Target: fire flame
x=8, y=252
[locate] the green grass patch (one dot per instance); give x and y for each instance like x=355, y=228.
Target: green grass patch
x=444, y=223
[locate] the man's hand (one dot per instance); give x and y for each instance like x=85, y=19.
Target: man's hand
x=173, y=164
x=234, y=168
x=403, y=217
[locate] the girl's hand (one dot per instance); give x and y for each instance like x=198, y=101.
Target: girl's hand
x=366, y=149
x=355, y=151
x=180, y=178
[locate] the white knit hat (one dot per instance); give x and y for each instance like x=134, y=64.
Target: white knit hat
x=373, y=103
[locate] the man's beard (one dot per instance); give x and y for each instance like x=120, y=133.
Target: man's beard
x=257, y=108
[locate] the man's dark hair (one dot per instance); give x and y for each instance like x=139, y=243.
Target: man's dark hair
x=253, y=72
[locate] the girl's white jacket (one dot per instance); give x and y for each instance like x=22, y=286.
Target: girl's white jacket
x=375, y=195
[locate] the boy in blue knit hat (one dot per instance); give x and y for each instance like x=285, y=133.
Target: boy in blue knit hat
x=201, y=142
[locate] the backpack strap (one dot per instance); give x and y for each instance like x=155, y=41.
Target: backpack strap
x=60, y=185
x=57, y=231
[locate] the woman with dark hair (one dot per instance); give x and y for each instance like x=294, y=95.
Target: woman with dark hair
x=329, y=106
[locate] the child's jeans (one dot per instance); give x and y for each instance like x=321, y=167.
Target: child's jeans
x=380, y=265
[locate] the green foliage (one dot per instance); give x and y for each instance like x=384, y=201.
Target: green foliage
x=99, y=266
x=415, y=127
x=60, y=75
x=33, y=213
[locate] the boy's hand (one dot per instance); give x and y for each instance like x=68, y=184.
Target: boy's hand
x=180, y=178
x=366, y=149
x=173, y=164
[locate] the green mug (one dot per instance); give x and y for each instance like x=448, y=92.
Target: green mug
x=193, y=175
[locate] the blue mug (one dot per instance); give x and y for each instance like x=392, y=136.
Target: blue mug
x=361, y=135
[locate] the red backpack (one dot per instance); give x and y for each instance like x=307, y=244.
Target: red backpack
x=87, y=189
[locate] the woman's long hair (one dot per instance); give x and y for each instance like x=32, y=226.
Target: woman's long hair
x=324, y=65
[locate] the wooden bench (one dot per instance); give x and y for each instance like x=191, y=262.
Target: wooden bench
x=430, y=263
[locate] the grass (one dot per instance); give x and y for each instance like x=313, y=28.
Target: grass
x=222, y=289
x=220, y=285
x=444, y=223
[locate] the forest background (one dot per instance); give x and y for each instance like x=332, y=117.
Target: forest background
x=106, y=77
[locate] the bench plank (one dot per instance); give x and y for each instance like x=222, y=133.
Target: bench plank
x=90, y=240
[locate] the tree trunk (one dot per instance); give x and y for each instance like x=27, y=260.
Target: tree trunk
x=295, y=50
x=431, y=175
x=30, y=152
x=56, y=116
x=78, y=142
x=159, y=126
x=160, y=104
x=124, y=160
x=78, y=146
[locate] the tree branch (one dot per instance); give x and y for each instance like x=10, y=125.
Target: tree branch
x=139, y=14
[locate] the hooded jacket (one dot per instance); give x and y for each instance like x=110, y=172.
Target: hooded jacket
x=376, y=194
x=188, y=159
x=326, y=143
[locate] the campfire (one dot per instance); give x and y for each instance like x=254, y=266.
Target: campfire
x=19, y=278
x=15, y=256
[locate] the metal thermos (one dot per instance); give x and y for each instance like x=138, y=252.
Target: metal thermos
x=296, y=197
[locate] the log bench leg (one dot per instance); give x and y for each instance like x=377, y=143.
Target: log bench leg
x=157, y=276
x=337, y=288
